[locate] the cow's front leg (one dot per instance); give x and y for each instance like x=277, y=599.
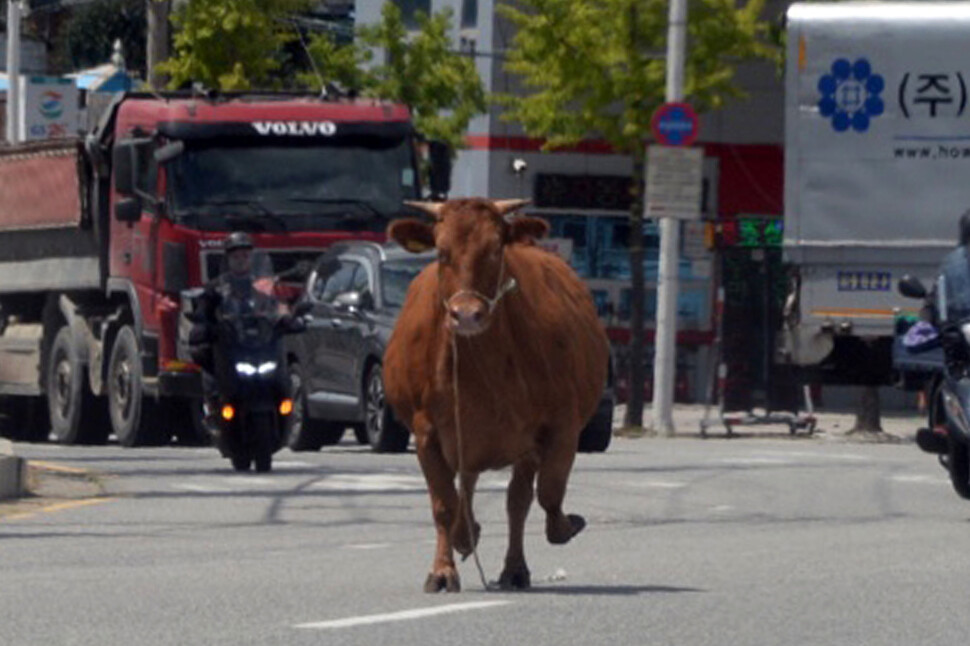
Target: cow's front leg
x=465, y=531
x=556, y=463
x=444, y=504
x=516, y=575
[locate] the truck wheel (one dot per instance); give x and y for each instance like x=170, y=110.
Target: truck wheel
x=385, y=433
x=76, y=415
x=129, y=409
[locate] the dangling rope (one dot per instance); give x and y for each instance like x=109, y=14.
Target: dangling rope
x=464, y=500
x=500, y=291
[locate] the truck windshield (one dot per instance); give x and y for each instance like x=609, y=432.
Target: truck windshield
x=227, y=184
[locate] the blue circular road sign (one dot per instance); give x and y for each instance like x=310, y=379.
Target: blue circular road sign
x=675, y=124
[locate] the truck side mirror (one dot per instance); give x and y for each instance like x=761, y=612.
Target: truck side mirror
x=439, y=154
x=128, y=210
x=123, y=168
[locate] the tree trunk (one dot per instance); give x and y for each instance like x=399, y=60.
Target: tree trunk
x=867, y=418
x=636, y=378
x=158, y=40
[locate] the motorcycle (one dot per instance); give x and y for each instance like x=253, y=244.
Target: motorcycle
x=947, y=434
x=242, y=352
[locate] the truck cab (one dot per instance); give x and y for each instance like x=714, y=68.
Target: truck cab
x=161, y=181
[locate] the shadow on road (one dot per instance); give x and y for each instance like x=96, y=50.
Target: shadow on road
x=609, y=590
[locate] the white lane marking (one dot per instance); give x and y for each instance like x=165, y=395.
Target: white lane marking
x=243, y=480
x=919, y=479
x=657, y=484
x=201, y=488
x=368, y=546
x=404, y=615
x=754, y=461
x=386, y=482
x=292, y=464
x=782, y=458
x=370, y=482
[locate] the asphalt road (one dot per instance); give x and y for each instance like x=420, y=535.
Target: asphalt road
x=747, y=541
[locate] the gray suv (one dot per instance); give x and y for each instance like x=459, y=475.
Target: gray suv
x=356, y=291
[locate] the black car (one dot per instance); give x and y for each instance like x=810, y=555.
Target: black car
x=356, y=291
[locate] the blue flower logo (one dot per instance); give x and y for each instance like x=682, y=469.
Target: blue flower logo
x=850, y=95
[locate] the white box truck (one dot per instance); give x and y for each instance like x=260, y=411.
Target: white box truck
x=877, y=173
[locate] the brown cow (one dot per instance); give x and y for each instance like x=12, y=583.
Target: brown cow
x=532, y=363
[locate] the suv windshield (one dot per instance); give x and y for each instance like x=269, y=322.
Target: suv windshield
x=396, y=276
x=349, y=179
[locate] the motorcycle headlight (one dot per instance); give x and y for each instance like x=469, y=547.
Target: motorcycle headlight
x=245, y=369
x=267, y=368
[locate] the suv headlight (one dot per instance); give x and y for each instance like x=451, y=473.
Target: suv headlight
x=267, y=367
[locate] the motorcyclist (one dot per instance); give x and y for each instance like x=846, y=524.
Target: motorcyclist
x=953, y=285
x=235, y=285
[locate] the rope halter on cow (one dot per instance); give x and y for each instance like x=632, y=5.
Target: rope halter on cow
x=501, y=290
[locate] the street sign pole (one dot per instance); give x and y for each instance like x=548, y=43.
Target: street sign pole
x=665, y=343
x=13, y=71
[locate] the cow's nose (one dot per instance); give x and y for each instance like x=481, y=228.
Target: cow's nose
x=466, y=316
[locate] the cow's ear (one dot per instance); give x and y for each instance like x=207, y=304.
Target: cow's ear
x=527, y=229
x=412, y=234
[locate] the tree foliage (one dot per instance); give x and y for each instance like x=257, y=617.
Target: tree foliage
x=93, y=28
x=597, y=68
x=229, y=44
x=441, y=87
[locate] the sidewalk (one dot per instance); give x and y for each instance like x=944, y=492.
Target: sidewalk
x=898, y=426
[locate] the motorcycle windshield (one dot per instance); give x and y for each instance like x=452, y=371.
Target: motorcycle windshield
x=250, y=314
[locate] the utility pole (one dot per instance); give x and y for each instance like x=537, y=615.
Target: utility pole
x=158, y=37
x=14, y=14
x=665, y=344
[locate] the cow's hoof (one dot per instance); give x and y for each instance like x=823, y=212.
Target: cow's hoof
x=447, y=581
x=460, y=539
x=515, y=578
x=562, y=532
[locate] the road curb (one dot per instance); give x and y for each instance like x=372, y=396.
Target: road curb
x=13, y=473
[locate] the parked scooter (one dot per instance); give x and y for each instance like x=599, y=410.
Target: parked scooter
x=243, y=352
x=948, y=432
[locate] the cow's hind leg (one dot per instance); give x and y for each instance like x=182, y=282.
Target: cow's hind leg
x=554, y=468
x=444, y=503
x=516, y=575
x=463, y=539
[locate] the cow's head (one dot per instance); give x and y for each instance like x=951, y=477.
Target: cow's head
x=470, y=236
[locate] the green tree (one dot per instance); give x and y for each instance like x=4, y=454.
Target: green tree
x=441, y=87
x=92, y=29
x=595, y=69
x=229, y=44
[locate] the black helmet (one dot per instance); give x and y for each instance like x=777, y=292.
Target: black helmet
x=238, y=240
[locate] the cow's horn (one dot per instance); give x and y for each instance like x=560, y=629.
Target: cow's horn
x=431, y=208
x=507, y=206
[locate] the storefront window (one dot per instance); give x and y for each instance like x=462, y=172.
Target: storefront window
x=409, y=10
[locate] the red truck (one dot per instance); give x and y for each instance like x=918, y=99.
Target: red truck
x=99, y=235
